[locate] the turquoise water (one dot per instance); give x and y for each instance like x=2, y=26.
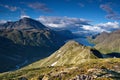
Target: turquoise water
x=84, y=41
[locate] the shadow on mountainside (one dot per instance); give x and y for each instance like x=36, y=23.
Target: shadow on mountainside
x=114, y=54
x=14, y=56
x=97, y=53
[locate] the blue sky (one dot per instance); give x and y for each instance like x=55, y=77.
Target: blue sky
x=88, y=9
x=95, y=11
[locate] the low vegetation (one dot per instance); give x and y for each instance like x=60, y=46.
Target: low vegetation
x=92, y=69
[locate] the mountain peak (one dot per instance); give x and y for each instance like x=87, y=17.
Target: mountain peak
x=26, y=19
x=71, y=43
x=24, y=24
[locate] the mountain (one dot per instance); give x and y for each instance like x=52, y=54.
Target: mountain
x=23, y=24
x=70, y=53
x=101, y=37
x=108, y=42
x=25, y=41
x=73, y=61
x=18, y=46
x=33, y=38
x=27, y=31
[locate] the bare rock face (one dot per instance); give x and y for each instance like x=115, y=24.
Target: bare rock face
x=83, y=77
x=45, y=78
x=22, y=78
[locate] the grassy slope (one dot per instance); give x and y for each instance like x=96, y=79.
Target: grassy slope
x=96, y=67
x=71, y=53
x=73, y=61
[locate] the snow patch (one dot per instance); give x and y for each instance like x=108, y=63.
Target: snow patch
x=59, y=51
x=83, y=60
x=54, y=64
x=58, y=55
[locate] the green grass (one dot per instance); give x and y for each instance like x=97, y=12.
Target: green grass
x=69, y=71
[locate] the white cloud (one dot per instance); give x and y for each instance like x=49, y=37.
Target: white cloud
x=2, y=21
x=109, y=26
x=59, y=22
x=11, y=8
x=93, y=28
x=77, y=24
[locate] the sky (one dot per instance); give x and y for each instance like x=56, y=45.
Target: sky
x=101, y=15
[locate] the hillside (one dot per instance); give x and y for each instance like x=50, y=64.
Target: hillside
x=73, y=61
x=101, y=37
x=108, y=42
x=13, y=56
x=71, y=53
x=25, y=41
x=33, y=38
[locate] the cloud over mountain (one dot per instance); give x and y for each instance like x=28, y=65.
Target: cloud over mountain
x=60, y=22
x=109, y=26
x=78, y=24
x=2, y=21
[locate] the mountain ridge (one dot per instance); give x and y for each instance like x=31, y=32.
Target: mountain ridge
x=70, y=53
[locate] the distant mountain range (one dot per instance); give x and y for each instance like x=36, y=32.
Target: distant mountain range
x=28, y=39
x=108, y=42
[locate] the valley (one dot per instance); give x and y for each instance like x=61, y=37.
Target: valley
x=29, y=50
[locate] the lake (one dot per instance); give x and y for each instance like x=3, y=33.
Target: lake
x=84, y=41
